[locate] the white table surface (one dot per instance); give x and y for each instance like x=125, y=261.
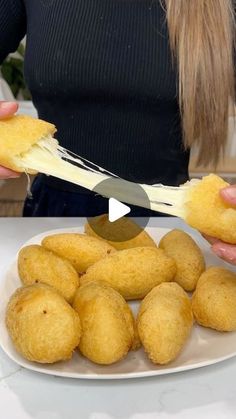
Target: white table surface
x=204, y=393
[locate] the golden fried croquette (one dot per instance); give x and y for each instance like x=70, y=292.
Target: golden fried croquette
x=18, y=134
x=214, y=301
x=107, y=323
x=207, y=212
x=81, y=250
x=121, y=234
x=42, y=325
x=37, y=264
x=133, y=272
x=187, y=255
x=165, y=321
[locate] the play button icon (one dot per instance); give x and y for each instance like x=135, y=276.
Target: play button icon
x=117, y=210
x=115, y=225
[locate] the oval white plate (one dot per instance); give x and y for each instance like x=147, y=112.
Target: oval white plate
x=204, y=347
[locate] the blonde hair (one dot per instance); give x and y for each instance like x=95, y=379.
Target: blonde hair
x=201, y=34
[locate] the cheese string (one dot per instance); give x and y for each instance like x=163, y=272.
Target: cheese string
x=48, y=157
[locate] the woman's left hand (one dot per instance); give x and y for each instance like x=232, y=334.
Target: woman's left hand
x=224, y=250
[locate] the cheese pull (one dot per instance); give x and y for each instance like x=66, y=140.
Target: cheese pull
x=27, y=145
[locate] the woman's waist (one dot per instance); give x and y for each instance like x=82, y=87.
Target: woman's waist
x=131, y=126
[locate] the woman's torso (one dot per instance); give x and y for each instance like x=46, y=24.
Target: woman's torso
x=101, y=71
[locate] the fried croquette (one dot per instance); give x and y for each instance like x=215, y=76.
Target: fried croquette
x=214, y=301
x=81, y=250
x=133, y=272
x=165, y=321
x=43, y=327
x=187, y=255
x=121, y=234
x=18, y=134
x=208, y=212
x=37, y=264
x=107, y=323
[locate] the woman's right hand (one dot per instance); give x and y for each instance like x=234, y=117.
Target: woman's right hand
x=7, y=109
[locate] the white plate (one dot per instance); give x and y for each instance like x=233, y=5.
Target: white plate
x=204, y=347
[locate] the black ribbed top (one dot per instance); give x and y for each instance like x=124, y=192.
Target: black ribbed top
x=101, y=71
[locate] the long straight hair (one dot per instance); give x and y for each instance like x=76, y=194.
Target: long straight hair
x=201, y=34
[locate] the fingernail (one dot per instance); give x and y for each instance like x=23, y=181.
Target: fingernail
x=229, y=193
x=12, y=176
x=5, y=105
x=218, y=252
x=226, y=254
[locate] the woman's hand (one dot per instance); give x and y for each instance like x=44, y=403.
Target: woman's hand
x=7, y=109
x=224, y=250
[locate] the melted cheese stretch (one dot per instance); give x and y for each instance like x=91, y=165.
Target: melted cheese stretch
x=47, y=157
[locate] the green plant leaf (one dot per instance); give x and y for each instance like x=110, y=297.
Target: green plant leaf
x=21, y=50
x=12, y=70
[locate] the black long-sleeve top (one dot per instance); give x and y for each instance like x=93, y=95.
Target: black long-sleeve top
x=102, y=72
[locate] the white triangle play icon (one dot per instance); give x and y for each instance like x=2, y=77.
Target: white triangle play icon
x=117, y=210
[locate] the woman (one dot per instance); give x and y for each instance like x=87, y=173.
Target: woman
x=130, y=84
